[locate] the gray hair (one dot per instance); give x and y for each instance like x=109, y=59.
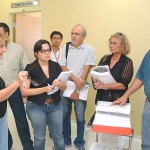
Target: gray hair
x=84, y=29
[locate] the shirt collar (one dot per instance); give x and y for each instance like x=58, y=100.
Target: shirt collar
x=82, y=46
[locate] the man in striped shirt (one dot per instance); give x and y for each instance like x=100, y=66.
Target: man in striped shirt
x=80, y=59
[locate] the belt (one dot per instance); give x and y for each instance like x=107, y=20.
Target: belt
x=48, y=101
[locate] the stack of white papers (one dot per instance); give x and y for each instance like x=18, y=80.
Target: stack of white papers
x=63, y=77
x=71, y=88
x=112, y=119
x=102, y=73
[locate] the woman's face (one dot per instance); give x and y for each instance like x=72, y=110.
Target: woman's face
x=44, y=54
x=115, y=45
x=2, y=48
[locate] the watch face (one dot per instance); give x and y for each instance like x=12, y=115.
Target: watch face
x=77, y=91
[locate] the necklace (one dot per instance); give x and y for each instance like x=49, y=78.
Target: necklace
x=116, y=58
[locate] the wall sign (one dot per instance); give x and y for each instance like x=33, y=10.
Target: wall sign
x=25, y=4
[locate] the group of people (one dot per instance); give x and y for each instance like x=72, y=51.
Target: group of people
x=40, y=78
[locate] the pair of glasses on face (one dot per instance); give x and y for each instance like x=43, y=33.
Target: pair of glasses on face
x=43, y=51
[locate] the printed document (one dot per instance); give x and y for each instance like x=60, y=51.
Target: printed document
x=71, y=88
x=62, y=77
x=112, y=115
x=102, y=73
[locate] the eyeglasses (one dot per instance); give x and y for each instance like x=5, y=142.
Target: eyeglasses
x=35, y=83
x=43, y=51
x=119, y=33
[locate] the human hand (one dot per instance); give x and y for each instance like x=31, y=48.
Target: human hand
x=74, y=96
x=58, y=83
x=79, y=82
x=98, y=84
x=22, y=76
x=120, y=101
x=49, y=88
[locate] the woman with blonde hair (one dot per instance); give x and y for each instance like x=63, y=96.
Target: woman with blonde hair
x=121, y=68
x=4, y=94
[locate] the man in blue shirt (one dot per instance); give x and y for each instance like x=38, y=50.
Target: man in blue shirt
x=142, y=78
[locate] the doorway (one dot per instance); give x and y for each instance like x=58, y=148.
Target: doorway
x=26, y=30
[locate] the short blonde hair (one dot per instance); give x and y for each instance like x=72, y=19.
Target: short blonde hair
x=124, y=41
x=3, y=37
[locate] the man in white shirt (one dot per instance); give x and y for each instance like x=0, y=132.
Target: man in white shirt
x=80, y=59
x=56, y=39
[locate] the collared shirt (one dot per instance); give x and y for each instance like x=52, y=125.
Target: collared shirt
x=56, y=57
x=11, y=63
x=143, y=73
x=78, y=58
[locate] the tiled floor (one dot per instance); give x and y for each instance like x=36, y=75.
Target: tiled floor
x=90, y=137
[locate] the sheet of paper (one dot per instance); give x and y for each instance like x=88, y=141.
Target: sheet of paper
x=71, y=88
x=102, y=73
x=104, y=106
x=111, y=119
x=62, y=77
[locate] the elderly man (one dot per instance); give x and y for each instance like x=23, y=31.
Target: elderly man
x=79, y=59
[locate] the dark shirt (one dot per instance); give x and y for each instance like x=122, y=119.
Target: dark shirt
x=143, y=74
x=3, y=105
x=36, y=73
x=122, y=72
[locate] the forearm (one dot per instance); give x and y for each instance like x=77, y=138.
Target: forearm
x=133, y=88
x=32, y=91
x=8, y=91
x=86, y=72
x=113, y=86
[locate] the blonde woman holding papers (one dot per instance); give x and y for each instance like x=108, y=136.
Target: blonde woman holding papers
x=121, y=69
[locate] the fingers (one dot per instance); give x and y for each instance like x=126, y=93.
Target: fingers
x=22, y=75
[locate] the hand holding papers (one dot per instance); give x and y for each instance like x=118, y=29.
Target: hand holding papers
x=71, y=88
x=102, y=73
x=63, y=77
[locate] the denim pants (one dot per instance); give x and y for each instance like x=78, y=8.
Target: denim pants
x=146, y=127
x=50, y=114
x=4, y=133
x=79, y=107
x=17, y=107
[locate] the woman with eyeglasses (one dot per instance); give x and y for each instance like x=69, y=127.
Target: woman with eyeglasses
x=4, y=94
x=42, y=108
x=121, y=68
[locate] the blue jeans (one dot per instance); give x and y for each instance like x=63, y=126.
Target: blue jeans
x=79, y=107
x=17, y=107
x=146, y=127
x=52, y=115
x=4, y=133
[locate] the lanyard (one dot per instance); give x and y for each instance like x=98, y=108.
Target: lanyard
x=57, y=58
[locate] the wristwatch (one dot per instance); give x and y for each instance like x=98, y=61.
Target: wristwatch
x=77, y=91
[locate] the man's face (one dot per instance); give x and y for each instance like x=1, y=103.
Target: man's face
x=2, y=47
x=56, y=40
x=77, y=36
x=3, y=32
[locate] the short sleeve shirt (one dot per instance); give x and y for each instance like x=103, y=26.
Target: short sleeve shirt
x=143, y=73
x=78, y=58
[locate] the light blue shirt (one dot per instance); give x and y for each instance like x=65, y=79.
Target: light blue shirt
x=143, y=74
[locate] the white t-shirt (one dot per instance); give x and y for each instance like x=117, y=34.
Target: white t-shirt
x=56, y=57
